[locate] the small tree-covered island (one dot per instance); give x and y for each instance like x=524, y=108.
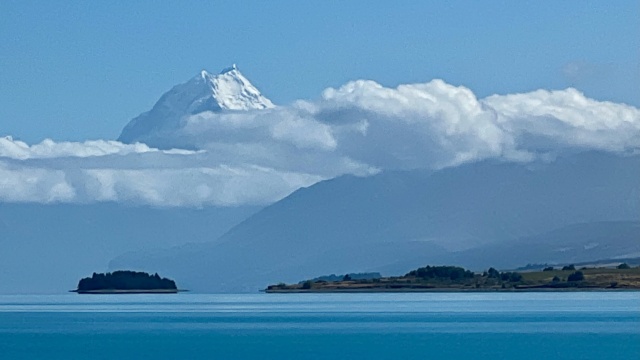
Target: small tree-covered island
x=126, y=282
x=454, y=278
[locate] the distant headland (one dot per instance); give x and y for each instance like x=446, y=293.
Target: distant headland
x=454, y=279
x=126, y=282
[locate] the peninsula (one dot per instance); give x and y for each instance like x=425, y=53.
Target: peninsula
x=126, y=282
x=453, y=278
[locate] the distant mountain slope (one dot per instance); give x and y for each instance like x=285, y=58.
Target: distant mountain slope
x=352, y=224
x=229, y=90
x=574, y=243
x=48, y=248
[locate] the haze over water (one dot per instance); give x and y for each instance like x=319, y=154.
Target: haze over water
x=587, y=325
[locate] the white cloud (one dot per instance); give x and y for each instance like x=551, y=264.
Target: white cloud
x=436, y=124
x=258, y=157
x=92, y=171
x=288, y=125
x=567, y=118
x=15, y=149
x=418, y=125
x=34, y=185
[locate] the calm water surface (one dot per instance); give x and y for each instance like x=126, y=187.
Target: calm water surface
x=592, y=325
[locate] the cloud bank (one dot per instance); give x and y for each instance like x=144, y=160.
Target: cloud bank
x=257, y=157
x=93, y=171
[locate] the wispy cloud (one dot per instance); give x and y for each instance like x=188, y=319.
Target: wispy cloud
x=15, y=149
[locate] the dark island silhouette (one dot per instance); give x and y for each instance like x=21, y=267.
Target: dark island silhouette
x=126, y=282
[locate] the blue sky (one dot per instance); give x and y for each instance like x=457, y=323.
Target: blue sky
x=82, y=70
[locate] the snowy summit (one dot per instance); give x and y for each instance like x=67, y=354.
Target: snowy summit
x=232, y=91
x=227, y=91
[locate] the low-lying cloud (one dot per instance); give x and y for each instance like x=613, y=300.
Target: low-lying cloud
x=15, y=149
x=136, y=174
x=258, y=157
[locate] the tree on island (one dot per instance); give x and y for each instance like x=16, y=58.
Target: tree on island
x=126, y=280
x=441, y=272
x=511, y=276
x=493, y=273
x=576, y=276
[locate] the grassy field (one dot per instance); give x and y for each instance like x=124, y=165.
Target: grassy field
x=601, y=277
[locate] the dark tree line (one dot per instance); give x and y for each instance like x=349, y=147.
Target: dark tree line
x=458, y=273
x=125, y=280
x=441, y=272
x=504, y=276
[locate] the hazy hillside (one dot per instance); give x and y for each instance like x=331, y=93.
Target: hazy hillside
x=352, y=224
x=48, y=248
x=570, y=244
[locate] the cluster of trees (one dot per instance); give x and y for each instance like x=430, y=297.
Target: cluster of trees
x=504, y=276
x=576, y=276
x=346, y=277
x=441, y=272
x=458, y=273
x=125, y=280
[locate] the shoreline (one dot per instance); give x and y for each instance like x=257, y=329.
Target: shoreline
x=444, y=290
x=133, y=291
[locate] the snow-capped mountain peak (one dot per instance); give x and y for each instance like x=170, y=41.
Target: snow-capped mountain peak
x=233, y=91
x=227, y=91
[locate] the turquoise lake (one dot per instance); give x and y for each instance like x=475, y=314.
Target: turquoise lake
x=585, y=325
